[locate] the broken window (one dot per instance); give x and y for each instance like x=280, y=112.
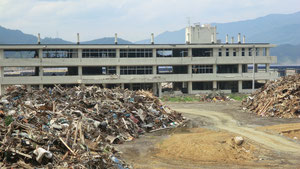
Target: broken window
x=60, y=71
x=250, y=51
x=243, y=51
x=244, y=68
x=172, y=69
x=234, y=52
x=135, y=53
x=135, y=70
x=202, y=85
x=228, y=85
x=19, y=71
x=99, y=70
x=202, y=52
x=60, y=53
x=227, y=52
x=164, y=53
x=227, y=68
x=99, y=53
x=202, y=69
x=20, y=54
x=220, y=52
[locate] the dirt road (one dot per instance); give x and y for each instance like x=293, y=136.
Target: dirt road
x=222, y=121
x=226, y=122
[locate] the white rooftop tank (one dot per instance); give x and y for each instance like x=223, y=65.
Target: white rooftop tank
x=201, y=34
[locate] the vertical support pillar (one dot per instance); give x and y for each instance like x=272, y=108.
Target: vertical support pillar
x=268, y=67
x=130, y=86
x=190, y=87
x=215, y=85
x=40, y=53
x=117, y=53
x=41, y=86
x=240, y=69
x=29, y=88
x=154, y=89
x=80, y=71
x=267, y=51
x=104, y=85
x=154, y=69
x=154, y=53
x=260, y=53
x=2, y=88
x=256, y=68
x=240, y=86
x=215, y=52
x=190, y=52
x=214, y=68
x=190, y=69
x=122, y=86
x=118, y=69
x=79, y=53
x=159, y=90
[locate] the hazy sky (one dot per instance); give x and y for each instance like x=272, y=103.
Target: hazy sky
x=131, y=19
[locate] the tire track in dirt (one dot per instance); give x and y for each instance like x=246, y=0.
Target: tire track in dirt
x=226, y=122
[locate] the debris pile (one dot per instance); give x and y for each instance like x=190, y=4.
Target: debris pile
x=280, y=98
x=75, y=127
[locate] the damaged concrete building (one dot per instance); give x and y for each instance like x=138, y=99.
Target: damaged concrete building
x=200, y=65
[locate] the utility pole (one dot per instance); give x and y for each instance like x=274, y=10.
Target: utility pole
x=253, y=73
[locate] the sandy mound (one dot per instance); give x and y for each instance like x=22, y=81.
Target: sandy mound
x=206, y=146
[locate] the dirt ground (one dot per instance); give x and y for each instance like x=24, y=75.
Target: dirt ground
x=206, y=141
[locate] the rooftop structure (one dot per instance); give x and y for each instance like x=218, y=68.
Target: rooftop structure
x=199, y=66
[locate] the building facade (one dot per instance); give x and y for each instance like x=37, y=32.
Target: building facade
x=192, y=67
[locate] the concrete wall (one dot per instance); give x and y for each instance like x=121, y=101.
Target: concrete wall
x=153, y=61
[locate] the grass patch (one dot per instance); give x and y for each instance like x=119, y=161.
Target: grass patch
x=180, y=99
x=238, y=97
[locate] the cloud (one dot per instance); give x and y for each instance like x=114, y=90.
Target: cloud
x=131, y=19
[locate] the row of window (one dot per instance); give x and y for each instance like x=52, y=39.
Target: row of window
x=132, y=53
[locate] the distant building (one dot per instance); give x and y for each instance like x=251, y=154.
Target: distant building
x=199, y=66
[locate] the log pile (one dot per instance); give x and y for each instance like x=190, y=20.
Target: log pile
x=75, y=127
x=280, y=98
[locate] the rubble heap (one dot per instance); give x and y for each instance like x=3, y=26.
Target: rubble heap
x=75, y=127
x=280, y=98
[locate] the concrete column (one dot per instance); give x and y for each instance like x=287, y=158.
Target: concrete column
x=118, y=69
x=104, y=85
x=224, y=52
x=267, y=51
x=246, y=51
x=130, y=86
x=154, y=69
x=79, y=70
x=240, y=68
x=155, y=89
x=122, y=86
x=40, y=53
x=214, y=68
x=215, y=52
x=41, y=86
x=41, y=72
x=29, y=88
x=190, y=53
x=230, y=51
x=79, y=53
x=190, y=87
x=154, y=53
x=240, y=86
x=260, y=53
x=256, y=68
x=238, y=51
x=117, y=53
x=215, y=85
x=159, y=90
x=268, y=67
x=190, y=71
